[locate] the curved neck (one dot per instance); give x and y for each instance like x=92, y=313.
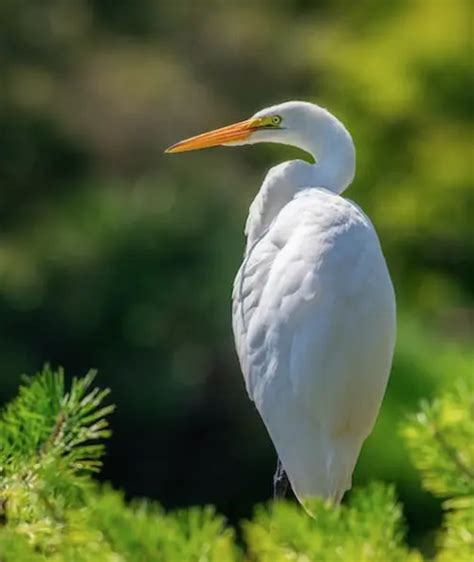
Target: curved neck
x=318, y=133
x=332, y=148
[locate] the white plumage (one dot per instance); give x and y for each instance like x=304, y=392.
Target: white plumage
x=313, y=303
x=313, y=318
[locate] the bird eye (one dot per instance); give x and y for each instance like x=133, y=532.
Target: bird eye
x=276, y=120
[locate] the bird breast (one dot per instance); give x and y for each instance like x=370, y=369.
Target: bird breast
x=319, y=253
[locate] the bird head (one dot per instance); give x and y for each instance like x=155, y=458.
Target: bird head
x=304, y=125
x=284, y=123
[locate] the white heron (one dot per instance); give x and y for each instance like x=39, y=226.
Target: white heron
x=313, y=302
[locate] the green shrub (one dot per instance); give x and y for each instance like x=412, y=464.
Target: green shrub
x=51, y=508
x=441, y=441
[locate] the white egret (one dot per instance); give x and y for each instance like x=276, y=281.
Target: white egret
x=313, y=303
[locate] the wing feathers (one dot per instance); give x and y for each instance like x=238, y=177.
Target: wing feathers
x=314, y=323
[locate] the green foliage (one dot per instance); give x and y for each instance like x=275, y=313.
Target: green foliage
x=48, y=446
x=46, y=423
x=457, y=540
x=142, y=531
x=369, y=529
x=441, y=441
x=52, y=509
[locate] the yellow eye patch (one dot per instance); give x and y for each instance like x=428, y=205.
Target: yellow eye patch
x=268, y=122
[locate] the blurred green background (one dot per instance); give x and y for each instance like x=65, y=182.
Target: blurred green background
x=115, y=256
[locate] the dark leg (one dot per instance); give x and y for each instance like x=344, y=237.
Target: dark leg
x=280, y=482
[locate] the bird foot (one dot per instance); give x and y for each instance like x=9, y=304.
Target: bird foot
x=280, y=482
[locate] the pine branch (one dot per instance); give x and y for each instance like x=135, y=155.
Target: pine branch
x=45, y=423
x=441, y=441
x=51, y=508
x=453, y=454
x=368, y=529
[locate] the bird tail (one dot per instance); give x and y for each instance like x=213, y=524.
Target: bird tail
x=324, y=470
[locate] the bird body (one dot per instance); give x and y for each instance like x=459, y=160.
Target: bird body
x=314, y=325
x=313, y=304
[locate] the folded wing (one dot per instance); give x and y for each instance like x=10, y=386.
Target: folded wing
x=314, y=324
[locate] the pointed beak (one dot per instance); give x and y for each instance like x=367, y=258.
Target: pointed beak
x=232, y=133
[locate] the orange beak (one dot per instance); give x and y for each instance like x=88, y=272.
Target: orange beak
x=236, y=132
